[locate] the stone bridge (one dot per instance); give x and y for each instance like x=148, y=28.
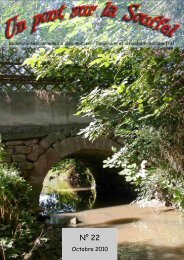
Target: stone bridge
x=39, y=130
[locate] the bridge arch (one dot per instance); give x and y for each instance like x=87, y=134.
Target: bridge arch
x=35, y=157
x=70, y=147
x=38, y=134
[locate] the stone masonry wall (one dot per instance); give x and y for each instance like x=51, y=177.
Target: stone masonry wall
x=26, y=152
x=36, y=156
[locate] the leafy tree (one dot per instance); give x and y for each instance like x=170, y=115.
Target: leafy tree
x=147, y=110
x=133, y=93
x=75, y=69
x=88, y=30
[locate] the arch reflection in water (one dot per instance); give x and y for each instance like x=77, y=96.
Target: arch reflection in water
x=68, y=200
x=68, y=187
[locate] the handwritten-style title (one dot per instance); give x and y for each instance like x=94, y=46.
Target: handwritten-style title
x=14, y=26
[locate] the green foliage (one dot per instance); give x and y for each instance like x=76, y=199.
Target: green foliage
x=147, y=110
x=14, y=196
x=18, y=229
x=152, y=165
x=147, y=85
x=133, y=93
x=92, y=30
x=79, y=174
x=75, y=68
x=61, y=185
x=64, y=165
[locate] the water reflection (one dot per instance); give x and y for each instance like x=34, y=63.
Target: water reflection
x=68, y=200
x=142, y=251
x=150, y=233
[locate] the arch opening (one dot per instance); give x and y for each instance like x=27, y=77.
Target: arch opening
x=109, y=185
x=87, y=185
x=69, y=186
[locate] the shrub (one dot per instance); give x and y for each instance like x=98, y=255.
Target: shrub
x=18, y=230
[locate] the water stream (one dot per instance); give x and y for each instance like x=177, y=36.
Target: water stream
x=153, y=232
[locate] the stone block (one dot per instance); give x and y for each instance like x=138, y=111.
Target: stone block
x=14, y=143
x=36, y=151
x=22, y=149
x=58, y=147
x=61, y=136
x=52, y=138
x=74, y=132
x=67, y=133
x=31, y=142
x=9, y=151
x=69, y=146
x=26, y=166
x=19, y=158
x=41, y=169
x=44, y=144
x=53, y=157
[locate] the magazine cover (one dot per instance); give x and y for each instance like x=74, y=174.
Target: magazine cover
x=91, y=130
